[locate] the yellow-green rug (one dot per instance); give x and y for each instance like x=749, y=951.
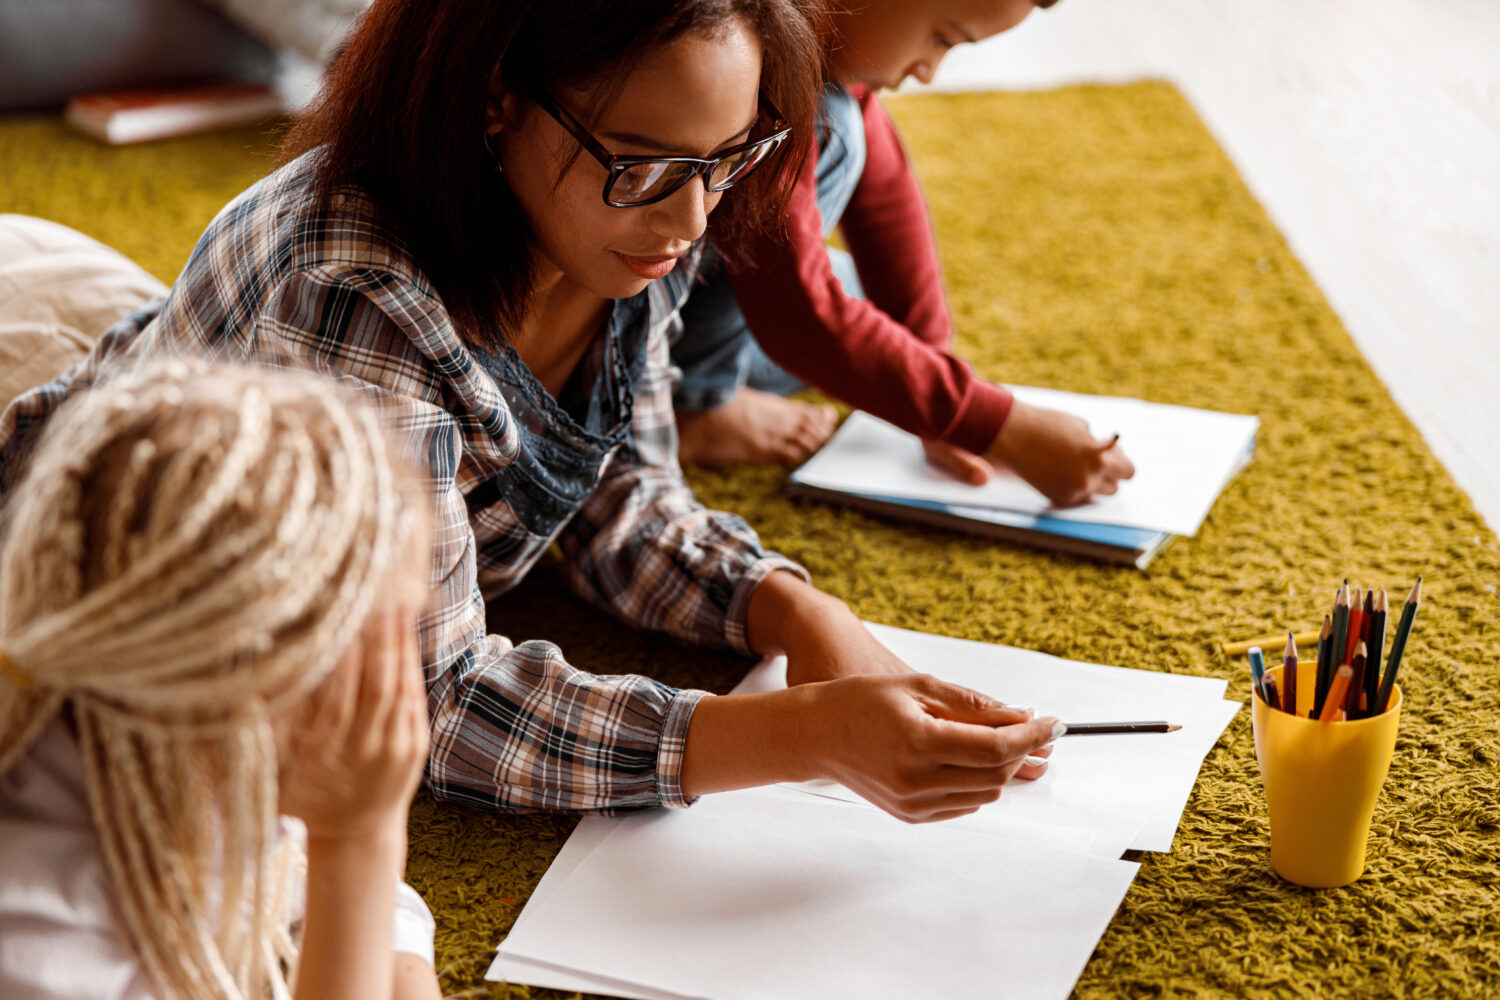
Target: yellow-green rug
x=1095, y=239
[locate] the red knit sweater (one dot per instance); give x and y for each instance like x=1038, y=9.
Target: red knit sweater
x=891, y=354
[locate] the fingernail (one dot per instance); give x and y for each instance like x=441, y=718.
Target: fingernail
x=1019, y=708
x=1058, y=728
x=1035, y=761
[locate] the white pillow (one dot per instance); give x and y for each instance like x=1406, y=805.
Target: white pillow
x=59, y=290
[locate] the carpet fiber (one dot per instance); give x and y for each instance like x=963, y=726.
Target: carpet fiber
x=1094, y=239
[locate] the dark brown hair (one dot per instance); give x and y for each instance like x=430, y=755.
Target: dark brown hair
x=402, y=116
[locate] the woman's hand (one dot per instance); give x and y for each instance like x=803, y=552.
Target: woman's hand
x=917, y=747
x=922, y=749
x=355, y=753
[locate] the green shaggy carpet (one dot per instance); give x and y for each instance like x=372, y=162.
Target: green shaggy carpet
x=1096, y=239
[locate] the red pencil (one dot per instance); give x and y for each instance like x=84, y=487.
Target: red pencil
x=1356, y=620
x=1335, y=700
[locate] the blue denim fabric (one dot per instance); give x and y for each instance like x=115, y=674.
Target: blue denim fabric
x=566, y=441
x=716, y=350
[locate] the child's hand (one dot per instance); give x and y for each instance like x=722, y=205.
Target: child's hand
x=960, y=463
x=355, y=753
x=921, y=749
x=1056, y=453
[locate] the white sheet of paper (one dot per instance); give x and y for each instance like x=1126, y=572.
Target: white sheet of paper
x=1183, y=459
x=587, y=835
x=770, y=893
x=1120, y=791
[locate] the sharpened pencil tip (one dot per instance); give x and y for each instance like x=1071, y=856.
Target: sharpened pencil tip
x=1173, y=728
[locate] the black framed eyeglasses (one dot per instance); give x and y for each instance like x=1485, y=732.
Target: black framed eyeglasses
x=634, y=181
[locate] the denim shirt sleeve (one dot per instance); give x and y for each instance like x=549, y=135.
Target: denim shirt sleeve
x=644, y=549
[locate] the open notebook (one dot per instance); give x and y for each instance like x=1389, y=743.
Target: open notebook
x=1184, y=458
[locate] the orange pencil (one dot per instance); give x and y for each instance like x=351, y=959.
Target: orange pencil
x=1335, y=700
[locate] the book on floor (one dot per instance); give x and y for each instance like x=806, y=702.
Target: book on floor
x=128, y=116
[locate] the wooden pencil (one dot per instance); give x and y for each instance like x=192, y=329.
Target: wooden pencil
x=1398, y=647
x=1336, y=647
x=1242, y=646
x=1381, y=606
x=1289, y=673
x=1356, y=620
x=1257, y=670
x=1324, y=656
x=1336, y=691
x=1356, y=682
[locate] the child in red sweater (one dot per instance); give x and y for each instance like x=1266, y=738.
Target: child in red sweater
x=871, y=327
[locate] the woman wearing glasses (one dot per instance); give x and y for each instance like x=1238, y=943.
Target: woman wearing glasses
x=491, y=227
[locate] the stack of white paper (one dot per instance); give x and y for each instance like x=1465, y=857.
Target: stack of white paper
x=767, y=894
x=808, y=891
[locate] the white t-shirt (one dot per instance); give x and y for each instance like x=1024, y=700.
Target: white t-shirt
x=60, y=938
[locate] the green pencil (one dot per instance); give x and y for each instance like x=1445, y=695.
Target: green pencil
x=1398, y=646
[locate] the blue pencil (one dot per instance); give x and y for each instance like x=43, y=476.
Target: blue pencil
x=1258, y=672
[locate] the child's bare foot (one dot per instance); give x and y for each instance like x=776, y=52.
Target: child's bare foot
x=756, y=427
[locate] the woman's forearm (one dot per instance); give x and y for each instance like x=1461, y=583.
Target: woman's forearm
x=745, y=740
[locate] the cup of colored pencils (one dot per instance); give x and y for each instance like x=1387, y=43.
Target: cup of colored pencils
x=1325, y=730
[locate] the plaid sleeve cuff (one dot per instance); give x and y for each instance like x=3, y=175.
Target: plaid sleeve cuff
x=735, y=632
x=669, y=751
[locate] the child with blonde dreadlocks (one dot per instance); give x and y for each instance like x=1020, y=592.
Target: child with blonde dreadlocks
x=209, y=583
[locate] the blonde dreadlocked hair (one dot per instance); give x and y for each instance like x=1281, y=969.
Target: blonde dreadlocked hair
x=192, y=548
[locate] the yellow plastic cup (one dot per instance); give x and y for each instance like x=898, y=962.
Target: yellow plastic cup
x=1321, y=781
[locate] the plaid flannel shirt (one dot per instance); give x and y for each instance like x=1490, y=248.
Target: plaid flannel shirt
x=284, y=280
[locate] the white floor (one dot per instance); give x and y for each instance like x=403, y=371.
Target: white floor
x=1370, y=131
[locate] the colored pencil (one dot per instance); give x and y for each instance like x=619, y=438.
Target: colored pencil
x=1356, y=682
x=1356, y=620
x=1242, y=646
x=1289, y=673
x=1336, y=692
x=1376, y=645
x=1335, y=648
x=1119, y=728
x=1257, y=671
x=1272, y=696
x=1398, y=647
x=1324, y=640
